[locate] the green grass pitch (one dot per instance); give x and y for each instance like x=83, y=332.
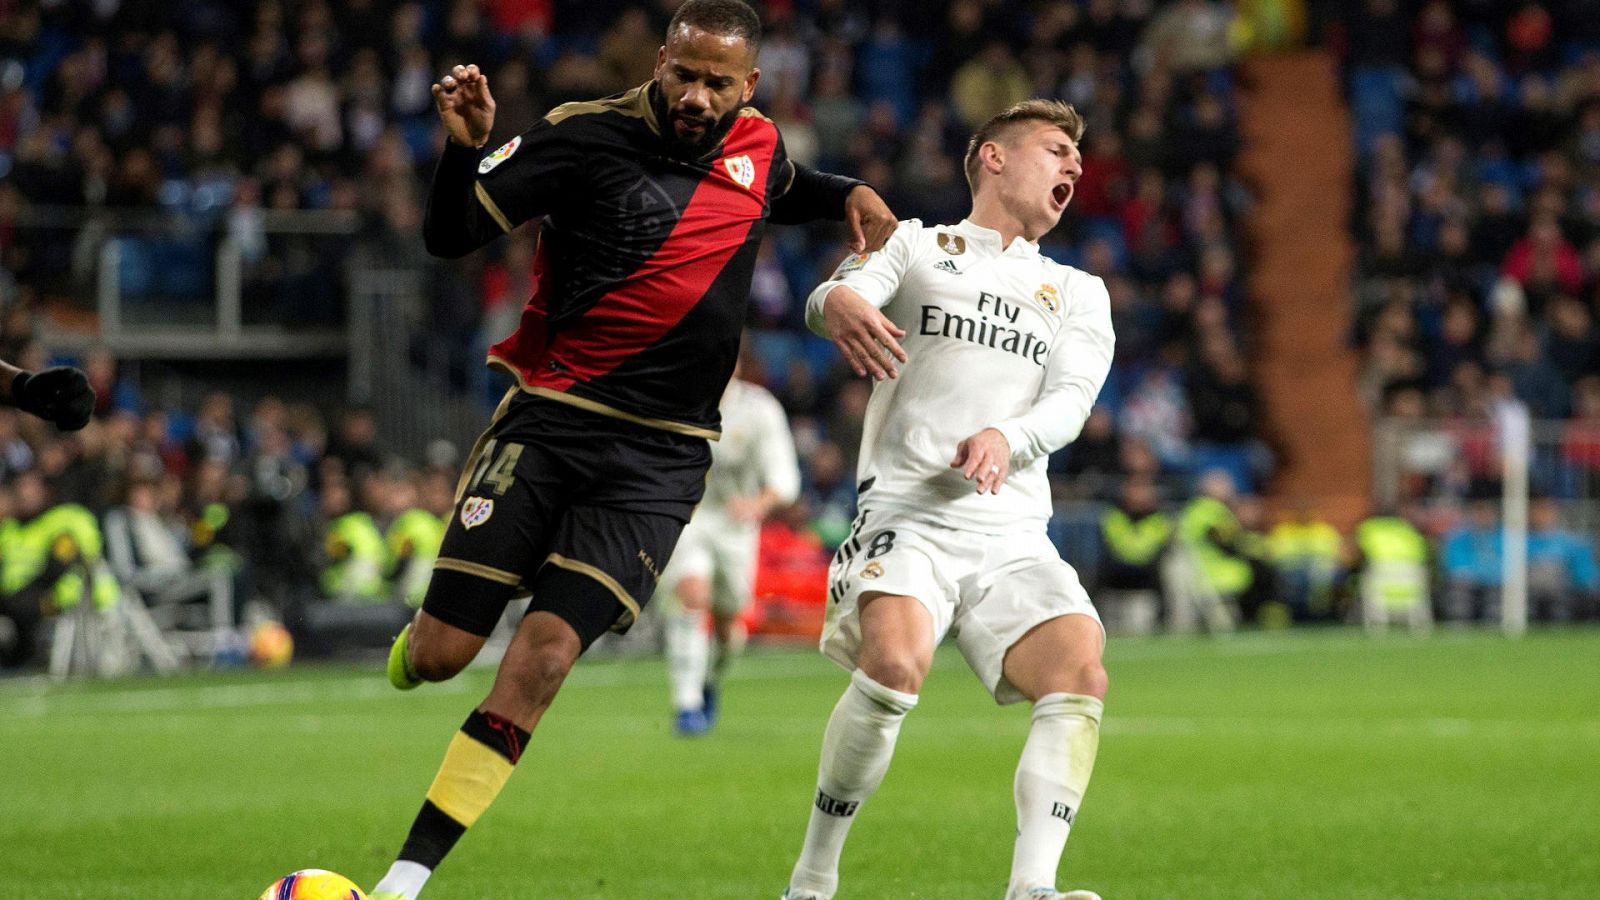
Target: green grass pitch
x=1317, y=765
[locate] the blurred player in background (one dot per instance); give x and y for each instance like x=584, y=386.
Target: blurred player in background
x=1004, y=354
x=59, y=394
x=753, y=473
x=652, y=205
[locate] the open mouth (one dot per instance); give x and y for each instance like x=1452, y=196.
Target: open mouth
x=1061, y=194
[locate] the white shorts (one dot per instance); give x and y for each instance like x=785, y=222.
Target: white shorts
x=992, y=589
x=722, y=552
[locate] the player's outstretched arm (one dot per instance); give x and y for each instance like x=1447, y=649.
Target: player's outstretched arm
x=814, y=195
x=864, y=335
x=455, y=223
x=870, y=220
x=59, y=394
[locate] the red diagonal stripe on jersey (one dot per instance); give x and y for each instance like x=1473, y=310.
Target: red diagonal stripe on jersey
x=646, y=305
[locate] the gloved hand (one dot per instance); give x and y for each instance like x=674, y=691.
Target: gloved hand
x=60, y=394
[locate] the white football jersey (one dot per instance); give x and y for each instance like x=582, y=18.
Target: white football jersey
x=997, y=337
x=756, y=451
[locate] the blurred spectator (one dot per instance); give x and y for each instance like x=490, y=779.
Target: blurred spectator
x=1307, y=552
x=1190, y=36
x=1562, y=576
x=353, y=549
x=830, y=494
x=1090, y=463
x=355, y=445
x=112, y=393
x=987, y=84
x=1133, y=534
x=414, y=535
x=216, y=433
x=1218, y=572
x=1391, y=556
x=1471, y=556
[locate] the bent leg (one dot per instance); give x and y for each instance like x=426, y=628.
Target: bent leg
x=435, y=650
x=896, y=651
x=484, y=752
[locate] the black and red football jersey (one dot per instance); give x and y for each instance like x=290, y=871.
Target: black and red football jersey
x=642, y=273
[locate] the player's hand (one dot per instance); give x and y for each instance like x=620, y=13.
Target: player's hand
x=862, y=333
x=986, y=456
x=747, y=509
x=465, y=105
x=60, y=394
x=869, y=219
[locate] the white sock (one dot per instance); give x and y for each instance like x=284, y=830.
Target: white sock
x=688, y=647
x=405, y=878
x=1052, y=775
x=856, y=749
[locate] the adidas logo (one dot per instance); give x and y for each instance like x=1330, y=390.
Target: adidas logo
x=945, y=265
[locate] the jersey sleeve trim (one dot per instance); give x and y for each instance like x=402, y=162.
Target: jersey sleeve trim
x=491, y=207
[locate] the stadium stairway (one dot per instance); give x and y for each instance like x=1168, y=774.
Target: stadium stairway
x=1298, y=157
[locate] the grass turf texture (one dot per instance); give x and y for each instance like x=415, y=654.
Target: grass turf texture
x=1314, y=765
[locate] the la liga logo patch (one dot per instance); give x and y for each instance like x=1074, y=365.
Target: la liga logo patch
x=500, y=155
x=475, y=511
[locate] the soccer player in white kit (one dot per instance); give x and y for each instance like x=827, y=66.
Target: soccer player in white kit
x=753, y=472
x=1002, y=355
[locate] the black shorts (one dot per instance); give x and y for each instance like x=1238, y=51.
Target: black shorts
x=577, y=508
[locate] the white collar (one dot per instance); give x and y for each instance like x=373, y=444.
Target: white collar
x=989, y=239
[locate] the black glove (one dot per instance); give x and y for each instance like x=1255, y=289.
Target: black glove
x=60, y=394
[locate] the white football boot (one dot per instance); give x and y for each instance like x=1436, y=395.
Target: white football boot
x=1045, y=893
x=790, y=893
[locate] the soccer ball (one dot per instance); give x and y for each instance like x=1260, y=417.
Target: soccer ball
x=270, y=645
x=313, y=884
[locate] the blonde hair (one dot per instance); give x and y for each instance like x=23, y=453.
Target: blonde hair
x=1053, y=112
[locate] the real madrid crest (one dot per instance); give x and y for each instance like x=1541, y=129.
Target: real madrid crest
x=1049, y=297
x=953, y=244
x=872, y=569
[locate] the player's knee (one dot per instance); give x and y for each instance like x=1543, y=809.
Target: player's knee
x=1090, y=679
x=693, y=593
x=433, y=661
x=542, y=670
x=903, y=673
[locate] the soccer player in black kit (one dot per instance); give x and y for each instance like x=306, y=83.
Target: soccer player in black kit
x=653, y=205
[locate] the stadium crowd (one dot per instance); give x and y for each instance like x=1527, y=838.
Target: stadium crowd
x=222, y=112
x=1477, y=215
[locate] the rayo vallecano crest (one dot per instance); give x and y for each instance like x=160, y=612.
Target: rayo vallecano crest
x=1048, y=296
x=953, y=244
x=475, y=511
x=741, y=169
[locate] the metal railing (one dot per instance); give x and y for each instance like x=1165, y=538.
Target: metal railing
x=224, y=283
x=413, y=399
x=1436, y=462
